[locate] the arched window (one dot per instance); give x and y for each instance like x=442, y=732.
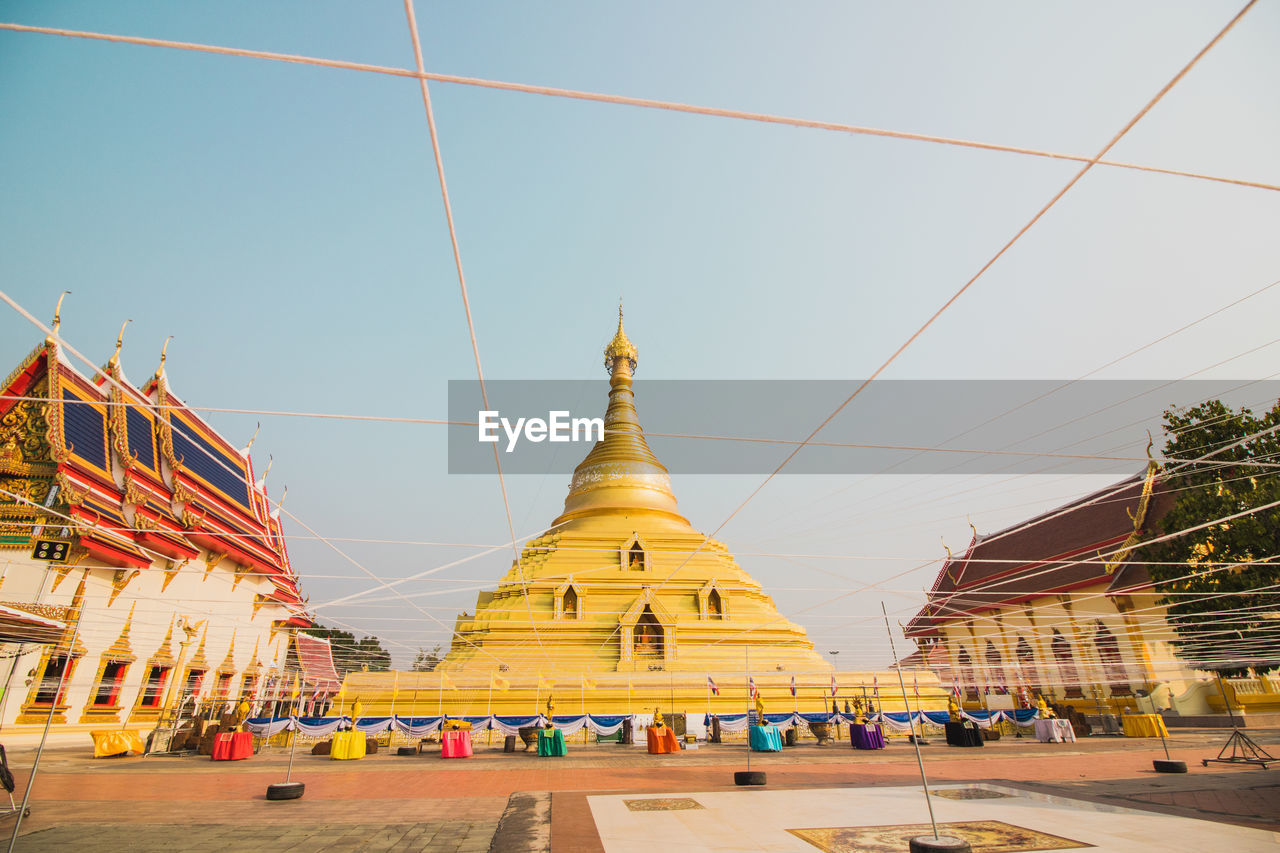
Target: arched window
x=1066, y=661
x=648, y=635
x=571, y=603
x=1027, y=663
x=1112, y=663
x=995, y=667
x=635, y=558
x=715, y=607
x=966, y=675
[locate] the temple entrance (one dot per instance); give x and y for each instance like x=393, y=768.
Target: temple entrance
x=648, y=635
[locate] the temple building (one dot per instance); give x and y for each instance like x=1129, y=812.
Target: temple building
x=141, y=566
x=1055, y=605
x=622, y=606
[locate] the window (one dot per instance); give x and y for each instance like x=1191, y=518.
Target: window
x=635, y=558
x=1027, y=663
x=966, y=675
x=571, y=603
x=52, y=682
x=1067, y=672
x=648, y=635
x=1112, y=664
x=715, y=606
x=224, y=684
x=195, y=678
x=153, y=688
x=108, y=693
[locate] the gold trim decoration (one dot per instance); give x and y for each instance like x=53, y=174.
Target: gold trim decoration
x=171, y=569
x=1148, y=486
x=211, y=559
x=120, y=579
x=228, y=664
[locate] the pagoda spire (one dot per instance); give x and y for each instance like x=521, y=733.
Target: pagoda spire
x=621, y=473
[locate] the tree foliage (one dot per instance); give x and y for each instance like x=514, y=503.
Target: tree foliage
x=426, y=661
x=1220, y=581
x=350, y=654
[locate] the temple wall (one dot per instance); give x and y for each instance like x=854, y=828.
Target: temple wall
x=191, y=592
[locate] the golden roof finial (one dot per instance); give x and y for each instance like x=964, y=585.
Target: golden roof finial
x=1150, y=443
x=57, y=311
x=620, y=346
x=164, y=353
x=249, y=446
x=950, y=557
x=115, y=356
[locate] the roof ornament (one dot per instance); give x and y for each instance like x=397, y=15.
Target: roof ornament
x=57, y=312
x=249, y=446
x=620, y=347
x=164, y=354
x=262, y=481
x=948, y=550
x=971, y=527
x=115, y=356
x=1150, y=443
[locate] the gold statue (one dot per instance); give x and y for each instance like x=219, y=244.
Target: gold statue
x=551, y=709
x=953, y=709
x=657, y=717
x=1046, y=713
x=356, y=709
x=760, y=709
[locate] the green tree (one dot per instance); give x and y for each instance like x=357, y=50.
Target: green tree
x=426, y=661
x=1220, y=582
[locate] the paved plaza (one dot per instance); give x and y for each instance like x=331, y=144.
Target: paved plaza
x=1099, y=791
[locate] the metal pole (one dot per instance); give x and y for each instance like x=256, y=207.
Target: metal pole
x=915, y=741
x=35, y=764
x=746, y=653
x=293, y=745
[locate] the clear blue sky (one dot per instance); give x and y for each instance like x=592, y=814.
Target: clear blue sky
x=284, y=224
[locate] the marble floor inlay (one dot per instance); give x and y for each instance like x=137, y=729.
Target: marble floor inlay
x=985, y=836
x=968, y=793
x=663, y=804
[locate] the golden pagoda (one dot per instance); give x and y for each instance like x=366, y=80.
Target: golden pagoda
x=621, y=606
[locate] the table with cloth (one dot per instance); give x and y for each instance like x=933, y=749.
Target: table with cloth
x=551, y=742
x=662, y=739
x=866, y=736
x=232, y=746
x=1144, y=725
x=1054, y=731
x=963, y=734
x=347, y=745
x=766, y=739
x=455, y=744
x=109, y=743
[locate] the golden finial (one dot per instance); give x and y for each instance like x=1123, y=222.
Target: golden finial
x=620, y=346
x=249, y=446
x=164, y=354
x=971, y=527
x=944, y=545
x=57, y=311
x=1150, y=443
x=280, y=503
x=115, y=356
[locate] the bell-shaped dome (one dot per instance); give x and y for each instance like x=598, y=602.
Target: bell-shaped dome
x=620, y=475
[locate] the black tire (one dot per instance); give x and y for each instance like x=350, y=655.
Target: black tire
x=407, y=750
x=1204, y=762
x=749, y=777
x=285, y=790
x=1169, y=766
x=941, y=844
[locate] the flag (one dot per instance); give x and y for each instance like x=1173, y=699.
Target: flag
x=712, y=685
x=446, y=683
x=500, y=682
x=293, y=692
x=915, y=683
x=751, y=687
x=875, y=687
x=793, y=685
x=955, y=689
x=834, y=688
